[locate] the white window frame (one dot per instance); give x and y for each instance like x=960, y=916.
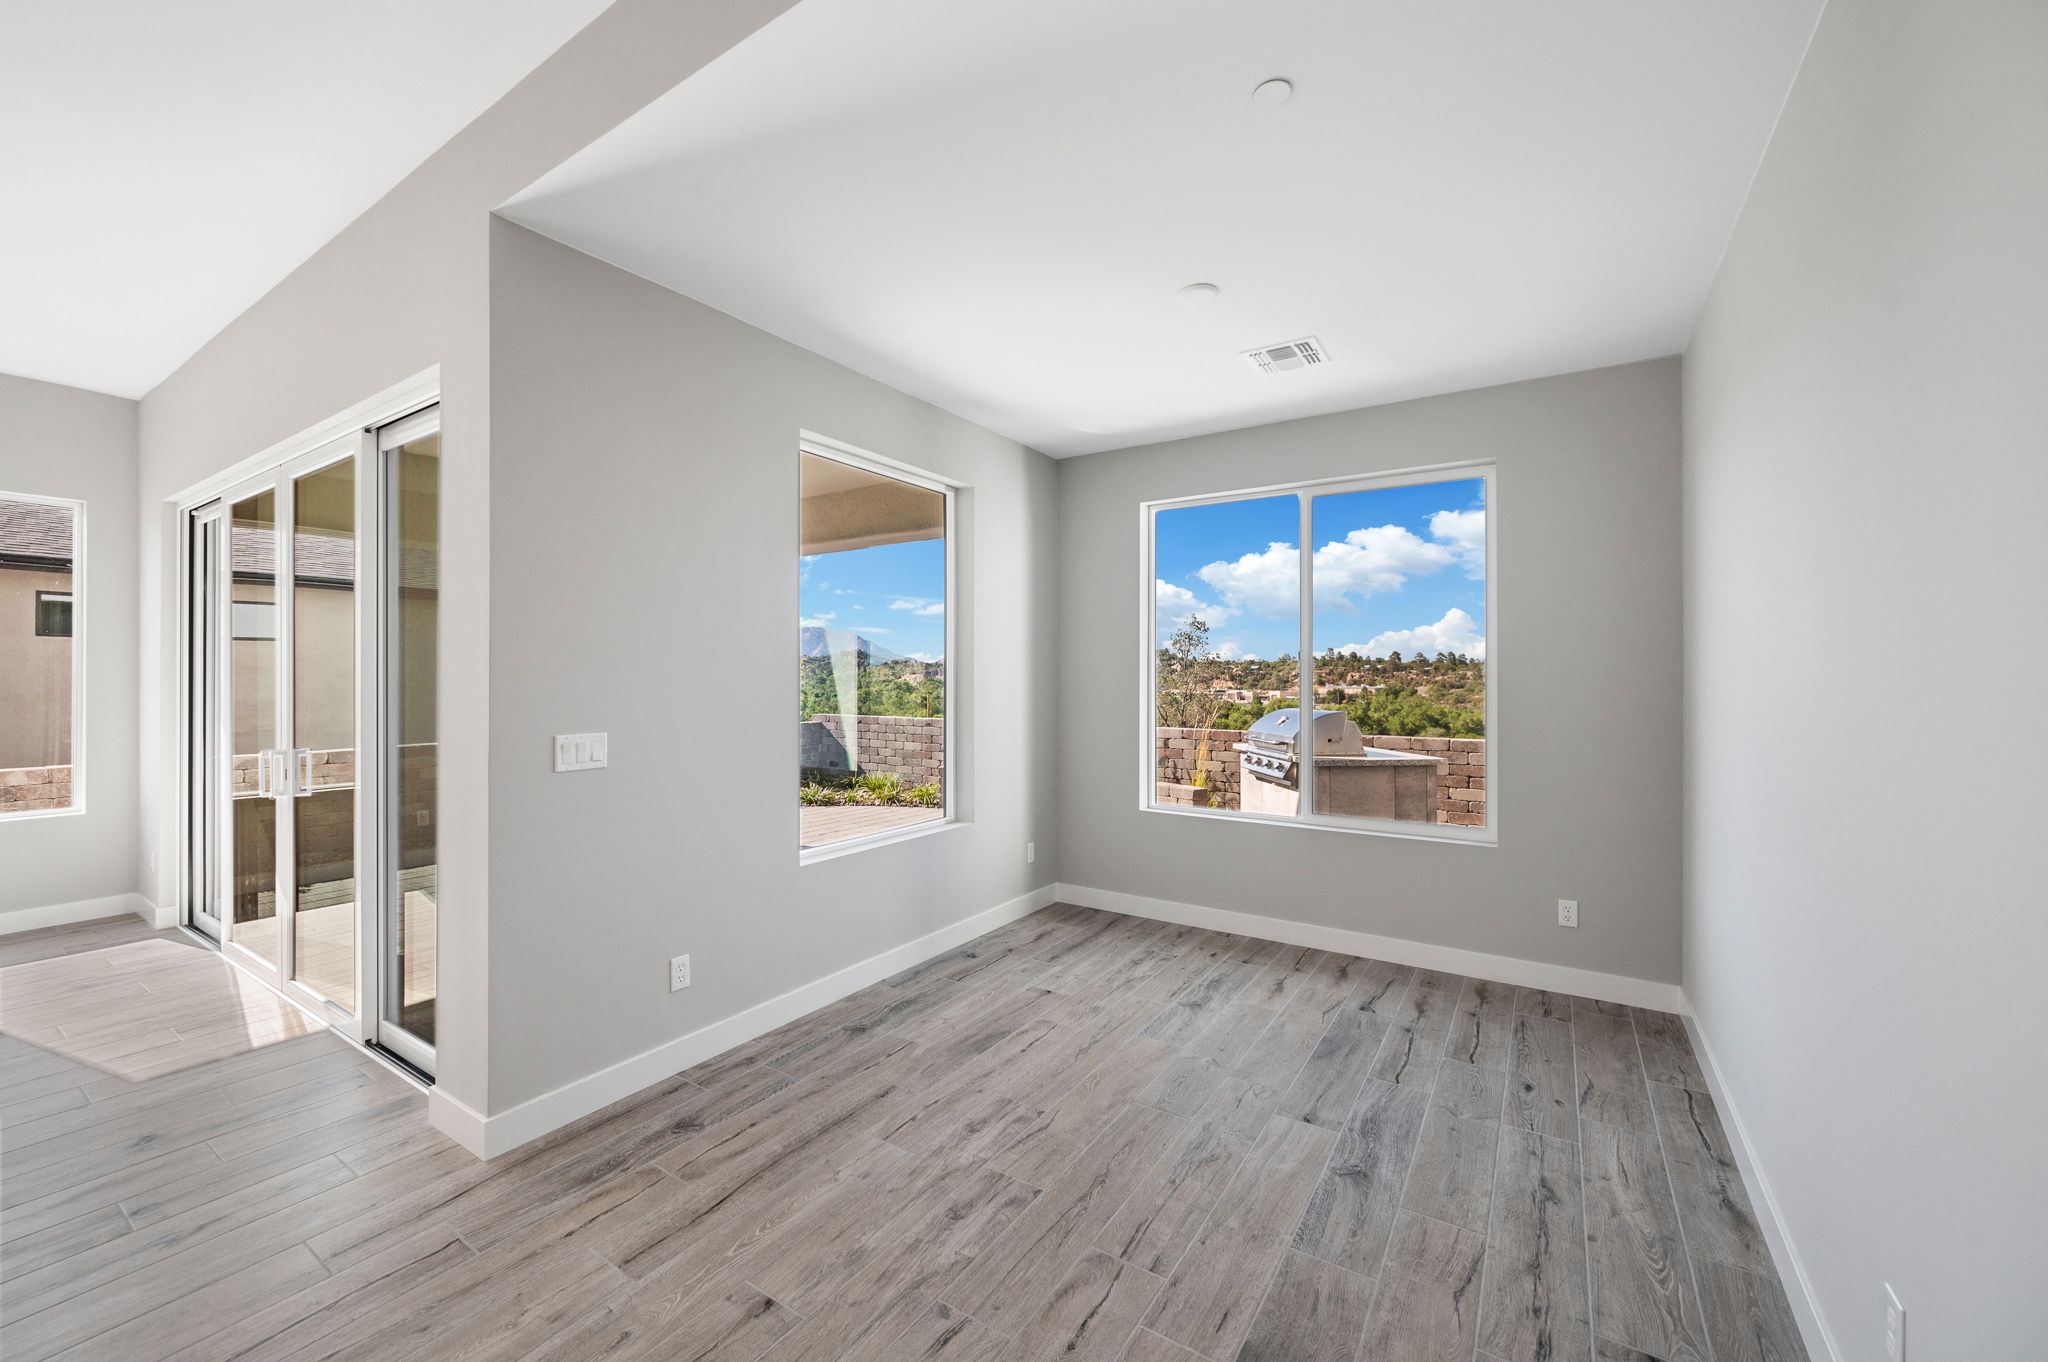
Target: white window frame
x=81, y=626
x=824, y=447
x=1305, y=493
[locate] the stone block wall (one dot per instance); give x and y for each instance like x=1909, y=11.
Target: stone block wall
x=911, y=748
x=1460, y=781
x=34, y=789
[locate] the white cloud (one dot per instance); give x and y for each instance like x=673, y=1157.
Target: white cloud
x=1456, y=632
x=818, y=621
x=1231, y=651
x=917, y=606
x=1366, y=562
x=1266, y=584
x=1177, y=603
x=874, y=629
x=1465, y=533
x=923, y=657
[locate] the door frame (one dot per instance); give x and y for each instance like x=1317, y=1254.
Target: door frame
x=350, y=434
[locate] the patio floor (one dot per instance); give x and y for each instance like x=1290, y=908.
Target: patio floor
x=823, y=824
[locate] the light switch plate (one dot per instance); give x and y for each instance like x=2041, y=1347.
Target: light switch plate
x=580, y=751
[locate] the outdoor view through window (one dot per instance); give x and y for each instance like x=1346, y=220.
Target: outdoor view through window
x=1397, y=640
x=871, y=653
x=38, y=616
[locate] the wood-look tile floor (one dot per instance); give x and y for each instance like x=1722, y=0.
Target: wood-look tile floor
x=1081, y=1136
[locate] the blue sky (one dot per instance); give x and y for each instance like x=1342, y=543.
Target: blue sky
x=893, y=595
x=1396, y=569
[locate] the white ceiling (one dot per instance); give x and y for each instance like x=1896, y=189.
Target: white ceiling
x=163, y=163
x=993, y=204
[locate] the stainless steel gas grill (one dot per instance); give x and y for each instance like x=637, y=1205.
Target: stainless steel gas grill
x=1268, y=750
x=1351, y=778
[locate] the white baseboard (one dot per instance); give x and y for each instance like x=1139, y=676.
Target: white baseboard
x=1813, y=1325
x=81, y=910
x=1506, y=969
x=489, y=1136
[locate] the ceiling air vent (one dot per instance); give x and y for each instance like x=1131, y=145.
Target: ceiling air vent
x=1280, y=359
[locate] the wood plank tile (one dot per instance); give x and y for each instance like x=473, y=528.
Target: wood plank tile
x=1482, y=1033
x=1641, y=1283
x=1666, y=1049
x=1535, y=1304
x=1090, y=1314
x=1169, y=1204
x=1422, y=1025
x=1313, y=1312
x=943, y=1334
x=1451, y=1176
x=1147, y=1346
x=1330, y=1080
x=1612, y=1089
x=1713, y=1207
x=749, y=1210
x=1427, y=1306
x=1208, y=1302
x=1748, y=1316
x=1011, y=1282
x=1542, y=1088
x=1351, y=1213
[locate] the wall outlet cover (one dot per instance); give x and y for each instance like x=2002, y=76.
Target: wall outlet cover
x=581, y=751
x=1894, y=1326
x=679, y=974
x=1567, y=912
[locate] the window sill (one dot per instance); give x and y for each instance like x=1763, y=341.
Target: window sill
x=75, y=811
x=1427, y=832
x=834, y=850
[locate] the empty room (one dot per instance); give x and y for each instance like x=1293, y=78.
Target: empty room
x=1380, y=595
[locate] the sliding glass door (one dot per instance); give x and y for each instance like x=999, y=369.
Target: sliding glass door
x=312, y=623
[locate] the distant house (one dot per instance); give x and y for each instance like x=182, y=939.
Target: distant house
x=35, y=634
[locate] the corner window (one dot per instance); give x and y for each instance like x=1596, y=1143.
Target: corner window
x=39, y=680
x=1383, y=629
x=874, y=574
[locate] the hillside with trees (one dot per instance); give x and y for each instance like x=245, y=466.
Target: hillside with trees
x=1441, y=697
x=902, y=687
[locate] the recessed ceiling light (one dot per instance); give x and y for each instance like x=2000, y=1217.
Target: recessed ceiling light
x=1199, y=293
x=1275, y=91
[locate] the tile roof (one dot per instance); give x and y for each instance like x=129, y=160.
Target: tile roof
x=30, y=529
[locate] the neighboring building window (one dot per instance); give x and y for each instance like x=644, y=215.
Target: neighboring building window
x=38, y=680
x=53, y=614
x=1385, y=629
x=873, y=649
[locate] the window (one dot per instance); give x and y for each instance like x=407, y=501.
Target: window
x=1385, y=627
x=39, y=681
x=53, y=614
x=873, y=645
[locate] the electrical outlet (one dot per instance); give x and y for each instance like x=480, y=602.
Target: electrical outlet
x=1030, y=852
x=422, y=818
x=1894, y=1326
x=679, y=974
x=1567, y=912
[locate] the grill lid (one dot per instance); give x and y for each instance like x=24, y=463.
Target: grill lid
x=1335, y=733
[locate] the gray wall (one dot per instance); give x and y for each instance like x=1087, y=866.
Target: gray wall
x=1584, y=661
x=644, y=551
x=405, y=287
x=67, y=442
x=1865, y=405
